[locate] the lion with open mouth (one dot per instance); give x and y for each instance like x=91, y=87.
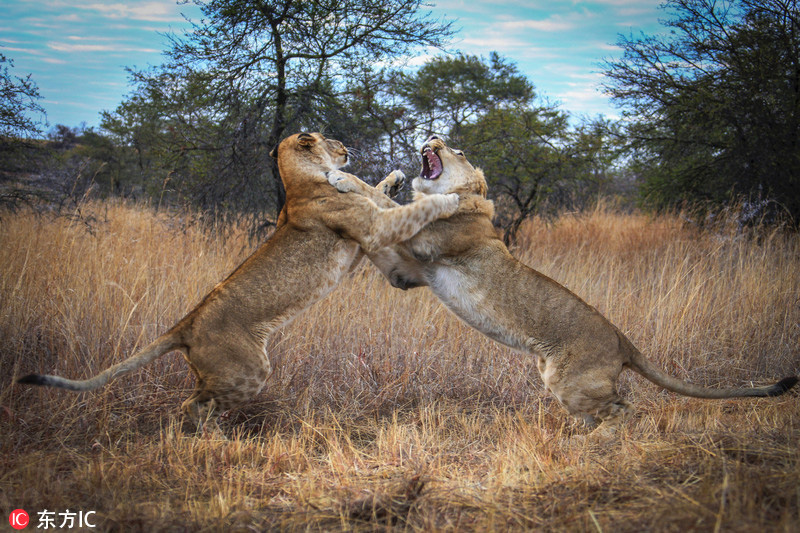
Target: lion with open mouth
x=580, y=354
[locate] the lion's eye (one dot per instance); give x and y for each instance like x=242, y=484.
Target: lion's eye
x=458, y=153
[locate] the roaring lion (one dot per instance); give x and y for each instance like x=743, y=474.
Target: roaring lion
x=579, y=353
x=320, y=237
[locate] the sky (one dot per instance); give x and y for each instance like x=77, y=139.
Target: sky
x=76, y=51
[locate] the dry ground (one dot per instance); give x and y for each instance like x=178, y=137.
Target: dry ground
x=386, y=413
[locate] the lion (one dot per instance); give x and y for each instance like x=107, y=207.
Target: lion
x=580, y=354
x=319, y=238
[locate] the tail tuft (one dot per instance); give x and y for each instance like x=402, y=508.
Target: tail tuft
x=33, y=379
x=783, y=386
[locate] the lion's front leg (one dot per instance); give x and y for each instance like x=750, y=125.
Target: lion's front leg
x=402, y=271
x=380, y=194
x=345, y=182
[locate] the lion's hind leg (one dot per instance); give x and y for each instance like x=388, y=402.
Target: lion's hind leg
x=228, y=381
x=589, y=394
x=201, y=409
x=215, y=397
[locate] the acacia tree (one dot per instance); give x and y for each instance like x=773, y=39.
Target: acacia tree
x=530, y=153
x=19, y=107
x=714, y=105
x=277, y=61
x=18, y=99
x=394, y=110
x=535, y=161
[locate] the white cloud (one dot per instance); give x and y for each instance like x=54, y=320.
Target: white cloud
x=69, y=17
x=30, y=51
x=70, y=48
x=585, y=101
x=489, y=42
x=552, y=24
x=149, y=11
x=608, y=47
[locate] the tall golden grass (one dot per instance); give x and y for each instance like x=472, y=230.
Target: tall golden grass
x=384, y=412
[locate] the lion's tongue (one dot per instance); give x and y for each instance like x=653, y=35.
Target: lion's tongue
x=431, y=166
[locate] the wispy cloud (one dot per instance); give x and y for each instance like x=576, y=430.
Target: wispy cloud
x=111, y=47
x=492, y=42
x=30, y=51
x=69, y=17
x=552, y=24
x=148, y=11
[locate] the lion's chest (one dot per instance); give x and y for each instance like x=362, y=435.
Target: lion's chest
x=463, y=295
x=452, y=287
x=473, y=301
x=341, y=259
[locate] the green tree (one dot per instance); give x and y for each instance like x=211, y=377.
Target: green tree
x=187, y=146
x=21, y=119
x=19, y=98
x=714, y=105
x=534, y=160
x=268, y=67
x=80, y=159
x=450, y=92
x=531, y=154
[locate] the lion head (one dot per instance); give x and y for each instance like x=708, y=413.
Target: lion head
x=308, y=155
x=446, y=169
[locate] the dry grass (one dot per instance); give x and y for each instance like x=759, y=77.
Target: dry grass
x=385, y=412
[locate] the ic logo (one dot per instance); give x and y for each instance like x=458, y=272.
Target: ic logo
x=18, y=519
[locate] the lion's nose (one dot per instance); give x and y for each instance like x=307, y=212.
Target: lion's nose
x=433, y=138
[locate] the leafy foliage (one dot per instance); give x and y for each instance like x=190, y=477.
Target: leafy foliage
x=715, y=104
x=250, y=70
x=198, y=129
x=18, y=99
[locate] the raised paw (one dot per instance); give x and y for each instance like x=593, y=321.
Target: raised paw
x=401, y=282
x=450, y=202
x=392, y=183
x=341, y=180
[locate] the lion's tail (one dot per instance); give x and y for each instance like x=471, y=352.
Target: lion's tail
x=164, y=344
x=642, y=365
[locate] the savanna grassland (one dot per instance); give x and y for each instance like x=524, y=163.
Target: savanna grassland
x=384, y=412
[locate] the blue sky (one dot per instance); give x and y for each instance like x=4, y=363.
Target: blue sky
x=77, y=50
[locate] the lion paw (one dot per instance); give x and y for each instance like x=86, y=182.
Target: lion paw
x=401, y=282
x=392, y=183
x=341, y=180
x=450, y=204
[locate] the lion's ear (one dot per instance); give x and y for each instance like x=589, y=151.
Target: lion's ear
x=306, y=139
x=274, y=153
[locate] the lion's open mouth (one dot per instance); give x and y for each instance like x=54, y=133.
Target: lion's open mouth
x=431, y=164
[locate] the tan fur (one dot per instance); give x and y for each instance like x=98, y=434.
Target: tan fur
x=317, y=242
x=579, y=353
